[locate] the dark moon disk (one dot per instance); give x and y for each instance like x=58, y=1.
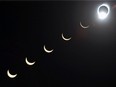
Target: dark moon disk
x=103, y=9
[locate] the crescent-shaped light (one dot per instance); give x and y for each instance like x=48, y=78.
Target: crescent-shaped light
x=83, y=26
x=47, y=51
x=102, y=15
x=10, y=75
x=29, y=63
x=66, y=39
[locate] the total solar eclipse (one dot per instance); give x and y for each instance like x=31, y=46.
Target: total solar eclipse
x=103, y=11
x=58, y=44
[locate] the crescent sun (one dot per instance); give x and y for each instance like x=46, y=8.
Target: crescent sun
x=29, y=63
x=83, y=26
x=66, y=39
x=47, y=51
x=10, y=75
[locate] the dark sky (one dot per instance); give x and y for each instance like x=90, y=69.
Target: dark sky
x=87, y=60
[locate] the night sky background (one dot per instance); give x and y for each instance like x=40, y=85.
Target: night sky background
x=87, y=60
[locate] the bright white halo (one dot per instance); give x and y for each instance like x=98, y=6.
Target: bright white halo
x=10, y=75
x=29, y=63
x=83, y=26
x=47, y=51
x=102, y=15
x=66, y=39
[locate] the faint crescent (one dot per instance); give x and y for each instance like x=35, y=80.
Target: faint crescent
x=83, y=26
x=10, y=75
x=29, y=63
x=66, y=39
x=47, y=51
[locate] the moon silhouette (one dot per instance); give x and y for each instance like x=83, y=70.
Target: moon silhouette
x=46, y=50
x=29, y=63
x=83, y=26
x=10, y=75
x=66, y=39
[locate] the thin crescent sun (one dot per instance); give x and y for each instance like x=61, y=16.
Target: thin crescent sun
x=83, y=26
x=10, y=75
x=29, y=63
x=47, y=51
x=66, y=39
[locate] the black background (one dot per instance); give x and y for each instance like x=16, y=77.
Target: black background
x=87, y=60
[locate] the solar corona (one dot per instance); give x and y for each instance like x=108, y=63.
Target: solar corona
x=103, y=14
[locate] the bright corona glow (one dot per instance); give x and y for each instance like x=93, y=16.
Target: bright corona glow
x=103, y=15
